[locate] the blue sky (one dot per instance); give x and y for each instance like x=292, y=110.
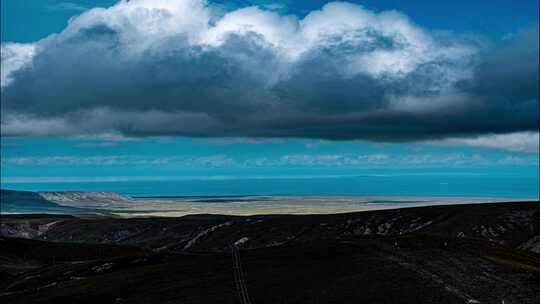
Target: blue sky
x=496, y=19
x=35, y=159
x=305, y=114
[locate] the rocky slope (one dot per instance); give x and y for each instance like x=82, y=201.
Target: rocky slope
x=84, y=199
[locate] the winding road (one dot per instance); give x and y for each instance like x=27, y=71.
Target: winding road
x=239, y=276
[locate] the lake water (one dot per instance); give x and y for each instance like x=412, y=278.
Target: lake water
x=417, y=183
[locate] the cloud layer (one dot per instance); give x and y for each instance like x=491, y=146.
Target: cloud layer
x=335, y=160
x=157, y=68
x=517, y=142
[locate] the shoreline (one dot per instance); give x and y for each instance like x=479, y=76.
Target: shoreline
x=257, y=210
x=281, y=205
x=114, y=204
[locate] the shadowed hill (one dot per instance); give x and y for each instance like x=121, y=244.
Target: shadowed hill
x=516, y=225
x=421, y=269
x=12, y=201
x=483, y=253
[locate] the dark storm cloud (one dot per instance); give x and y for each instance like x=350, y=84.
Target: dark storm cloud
x=145, y=68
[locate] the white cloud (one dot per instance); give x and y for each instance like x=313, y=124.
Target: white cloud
x=105, y=144
x=183, y=67
x=120, y=160
x=354, y=160
x=238, y=141
x=518, y=142
x=335, y=159
x=15, y=56
x=68, y=6
x=20, y=125
x=100, y=179
x=107, y=137
x=338, y=160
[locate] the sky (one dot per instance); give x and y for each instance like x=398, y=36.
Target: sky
x=140, y=89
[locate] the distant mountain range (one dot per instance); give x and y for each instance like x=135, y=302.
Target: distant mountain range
x=29, y=202
x=56, y=202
